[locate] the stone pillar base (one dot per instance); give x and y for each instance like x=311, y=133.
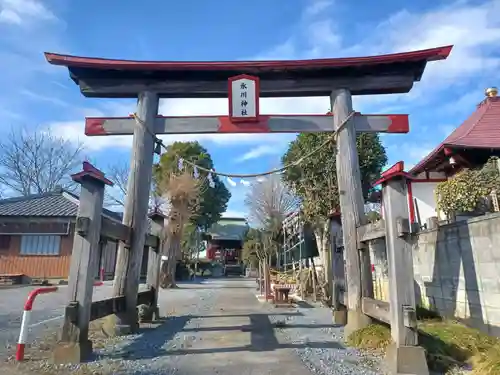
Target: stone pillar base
x=340, y=316
x=355, y=321
x=406, y=360
x=156, y=313
x=148, y=314
x=68, y=352
x=113, y=326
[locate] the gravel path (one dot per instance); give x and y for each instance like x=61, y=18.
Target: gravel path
x=46, y=315
x=320, y=343
x=219, y=327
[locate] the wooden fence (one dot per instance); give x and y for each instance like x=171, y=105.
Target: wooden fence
x=91, y=229
x=404, y=356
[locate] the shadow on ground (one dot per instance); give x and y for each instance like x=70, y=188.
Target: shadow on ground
x=159, y=341
x=304, y=305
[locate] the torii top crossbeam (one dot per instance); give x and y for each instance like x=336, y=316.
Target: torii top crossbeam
x=383, y=74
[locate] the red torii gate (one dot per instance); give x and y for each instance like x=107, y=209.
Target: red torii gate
x=338, y=78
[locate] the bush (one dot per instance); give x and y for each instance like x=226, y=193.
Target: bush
x=466, y=191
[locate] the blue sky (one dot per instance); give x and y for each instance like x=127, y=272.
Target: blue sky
x=36, y=95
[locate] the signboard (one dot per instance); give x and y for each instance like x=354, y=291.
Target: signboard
x=243, y=98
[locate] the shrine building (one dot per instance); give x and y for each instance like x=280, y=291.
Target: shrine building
x=470, y=145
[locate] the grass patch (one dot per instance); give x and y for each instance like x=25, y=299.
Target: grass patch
x=448, y=345
x=488, y=362
x=373, y=337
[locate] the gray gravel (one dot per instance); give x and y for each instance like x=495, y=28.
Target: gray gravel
x=322, y=349
x=46, y=315
x=218, y=327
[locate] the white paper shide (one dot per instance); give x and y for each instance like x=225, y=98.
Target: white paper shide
x=243, y=98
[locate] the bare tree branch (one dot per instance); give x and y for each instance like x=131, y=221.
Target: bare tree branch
x=118, y=173
x=37, y=162
x=269, y=201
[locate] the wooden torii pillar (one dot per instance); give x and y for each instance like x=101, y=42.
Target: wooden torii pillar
x=338, y=78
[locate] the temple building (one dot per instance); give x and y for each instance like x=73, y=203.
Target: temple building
x=225, y=241
x=469, y=145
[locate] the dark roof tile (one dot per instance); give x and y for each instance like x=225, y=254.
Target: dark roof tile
x=229, y=229
x=480, y=130
x=58, y=203
x=49, y=204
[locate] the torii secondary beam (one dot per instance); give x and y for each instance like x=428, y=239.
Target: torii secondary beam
x=98, y=126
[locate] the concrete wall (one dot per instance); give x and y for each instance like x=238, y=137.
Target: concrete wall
x=457, y=271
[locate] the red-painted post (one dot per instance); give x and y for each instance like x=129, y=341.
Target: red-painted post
x=28, y=306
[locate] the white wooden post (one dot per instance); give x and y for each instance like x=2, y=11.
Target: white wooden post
x=351, y=205
x=74, y=345
x=404, y=356
x=128, y=263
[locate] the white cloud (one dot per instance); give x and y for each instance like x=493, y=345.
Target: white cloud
x=260, y=151
x=231, y=182
x=21, y=12
x=74, y=131
x=9, y=16
x=28, y=28
x=473, y=29
x=464, y=102
x=234, y=213
x=201, y=107
x=317, y=7
x=411, y=153
x=42, y=98
x=11, y=115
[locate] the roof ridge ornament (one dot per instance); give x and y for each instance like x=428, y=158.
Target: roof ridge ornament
x=491, y=92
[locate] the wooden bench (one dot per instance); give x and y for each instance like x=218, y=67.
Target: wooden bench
x=281, y=292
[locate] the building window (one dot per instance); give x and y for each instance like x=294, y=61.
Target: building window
x=40, y=245
x=4, y=242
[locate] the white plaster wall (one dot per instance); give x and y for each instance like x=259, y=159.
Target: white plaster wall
x=424, y=195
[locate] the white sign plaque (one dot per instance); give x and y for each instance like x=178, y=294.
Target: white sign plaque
x=244, y=98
